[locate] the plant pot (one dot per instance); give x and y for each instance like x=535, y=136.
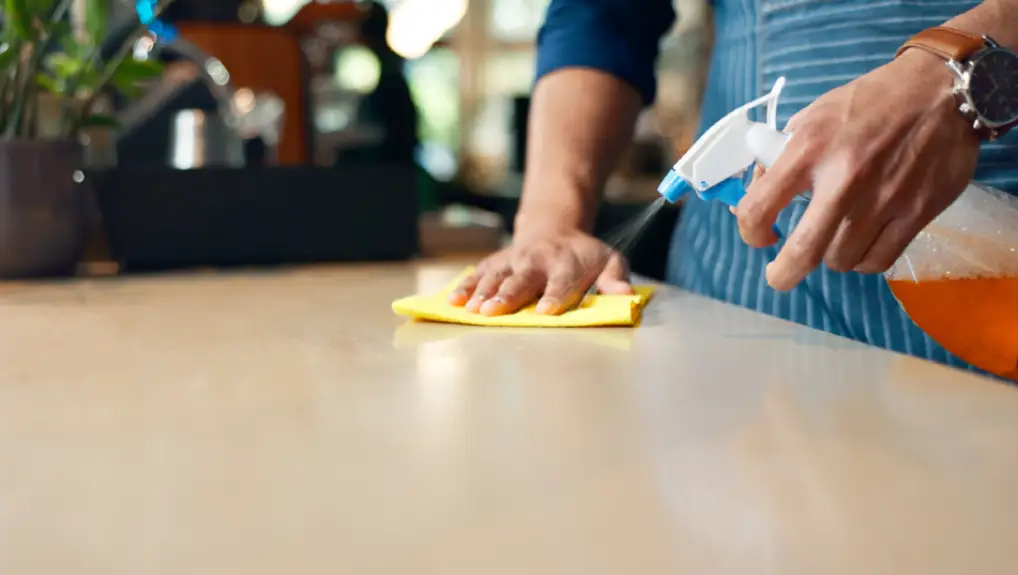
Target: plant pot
x=46, y=208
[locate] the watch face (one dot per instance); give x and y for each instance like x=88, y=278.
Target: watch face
x=994, y=86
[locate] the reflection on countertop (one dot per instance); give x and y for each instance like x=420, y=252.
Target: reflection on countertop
x=248, y=422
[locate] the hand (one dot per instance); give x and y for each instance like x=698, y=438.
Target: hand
x=557, y=266
x=884, y=155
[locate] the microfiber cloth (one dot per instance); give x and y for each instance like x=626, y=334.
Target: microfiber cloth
x=595, y=310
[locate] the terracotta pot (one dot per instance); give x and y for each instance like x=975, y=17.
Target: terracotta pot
x=46, y=208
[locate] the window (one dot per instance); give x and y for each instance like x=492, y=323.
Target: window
x=507, y=73
x=434, y=81
x=516, y=21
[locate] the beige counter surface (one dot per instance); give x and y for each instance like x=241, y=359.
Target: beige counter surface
x=287, y=422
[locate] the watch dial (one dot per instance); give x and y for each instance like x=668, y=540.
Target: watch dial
x=994, y=86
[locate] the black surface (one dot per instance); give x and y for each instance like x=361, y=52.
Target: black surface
x=159, y=218
x=203, y=11
x=520, y=119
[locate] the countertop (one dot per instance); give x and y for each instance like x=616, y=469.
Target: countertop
x=287, y=422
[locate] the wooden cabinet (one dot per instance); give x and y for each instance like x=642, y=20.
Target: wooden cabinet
x=263, y=58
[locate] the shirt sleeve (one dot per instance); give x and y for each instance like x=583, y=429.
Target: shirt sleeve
x=618, y=37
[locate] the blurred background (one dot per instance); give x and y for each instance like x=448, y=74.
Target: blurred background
x=309, y=97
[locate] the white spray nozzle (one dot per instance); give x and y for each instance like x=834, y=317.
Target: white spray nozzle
x=728, y=148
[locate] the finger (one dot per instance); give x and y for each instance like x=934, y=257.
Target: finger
x=854, y=238
x=565, y=287
x=768, y=195
x=487, y=287
x=758, y=172
x=796, y=120
x=615, y=277
x=889, y=245
x=807, y=244
x=869, y=215
x=461, y=295
x=518, y=290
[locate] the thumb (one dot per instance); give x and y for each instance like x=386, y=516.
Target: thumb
x=615, y=277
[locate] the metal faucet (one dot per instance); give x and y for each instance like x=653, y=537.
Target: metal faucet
x=246, y=114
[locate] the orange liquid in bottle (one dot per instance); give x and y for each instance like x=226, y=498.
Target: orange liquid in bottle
x=976, y=319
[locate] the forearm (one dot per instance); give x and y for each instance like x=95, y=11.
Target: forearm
x=581, y=121
x=995, y=18
x=595, y=66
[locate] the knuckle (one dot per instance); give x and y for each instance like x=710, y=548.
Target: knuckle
x=568, y=263
x=802, y=250
x=921, y=211
x=848, y=165
x=494, y=261
x=913, y=211
x=752, y=215
x=566, y=274
x=510, y=290
x=561, y=285
x=535, y=256
x=484, y=292
x=882, y=264
x=839, y=261
x=500, y=274
x=487, y=286
x=808, y=131
x=875, y=265
x=524, y=278
x=466, y=285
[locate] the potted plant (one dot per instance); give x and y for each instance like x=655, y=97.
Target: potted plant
x=53, y=79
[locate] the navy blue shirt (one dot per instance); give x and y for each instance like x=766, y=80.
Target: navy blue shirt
x=817, y=45
x=620, y=37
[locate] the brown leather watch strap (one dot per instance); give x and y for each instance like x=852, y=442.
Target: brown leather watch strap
x=945, y=42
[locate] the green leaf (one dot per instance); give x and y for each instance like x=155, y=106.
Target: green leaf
x=138, y=70
x=131, y=73
x=63, y=65
x=96, y=20
x=96, y=120
x=18, y=18
x=39, y=8
x=129, y=89
x=51, y=84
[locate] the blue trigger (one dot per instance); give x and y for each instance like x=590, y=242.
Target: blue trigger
x=730, y=192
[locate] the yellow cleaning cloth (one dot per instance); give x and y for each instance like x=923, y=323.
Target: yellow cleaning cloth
x=595, y=310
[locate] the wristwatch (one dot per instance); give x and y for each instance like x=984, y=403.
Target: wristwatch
x=986, y=76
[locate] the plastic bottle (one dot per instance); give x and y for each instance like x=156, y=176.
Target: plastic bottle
x=958, y=279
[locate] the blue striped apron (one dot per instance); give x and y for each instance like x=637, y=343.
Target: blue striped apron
x=817, y=45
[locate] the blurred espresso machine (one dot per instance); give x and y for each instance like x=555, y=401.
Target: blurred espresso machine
x=236, y=89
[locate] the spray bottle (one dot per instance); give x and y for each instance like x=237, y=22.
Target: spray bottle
x=715, y=165
x=957, y=280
